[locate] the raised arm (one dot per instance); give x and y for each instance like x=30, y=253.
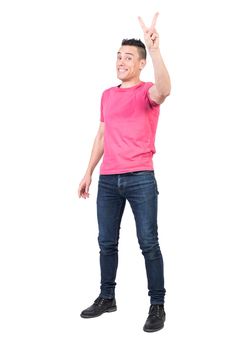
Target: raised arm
x=162, y=87
x=96, y=154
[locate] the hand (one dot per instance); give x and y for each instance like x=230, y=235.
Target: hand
x=151, y=36
x=83, y=190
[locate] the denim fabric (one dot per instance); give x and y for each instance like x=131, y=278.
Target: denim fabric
x=140, y=189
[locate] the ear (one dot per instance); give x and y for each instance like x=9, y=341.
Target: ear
x=142, y=64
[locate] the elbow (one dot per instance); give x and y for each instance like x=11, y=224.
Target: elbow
x=165, y=93
x=162, y=96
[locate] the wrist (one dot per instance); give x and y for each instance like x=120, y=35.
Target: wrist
x=88, y=172
x=154, y=52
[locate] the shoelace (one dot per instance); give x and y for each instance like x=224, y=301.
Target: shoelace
x=99, y=301
x=156, y=310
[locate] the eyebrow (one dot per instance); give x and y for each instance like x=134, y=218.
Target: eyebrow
x=126, y=53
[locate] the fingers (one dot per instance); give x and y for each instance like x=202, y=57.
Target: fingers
x=142, y=24
x=86, y=192
x=151, y=35
x=83, y=194
x=153, y=24
x=154, y=36
x=83, y=191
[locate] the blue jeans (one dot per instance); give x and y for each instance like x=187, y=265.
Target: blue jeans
x=140, y=189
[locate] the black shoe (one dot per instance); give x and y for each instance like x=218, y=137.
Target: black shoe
x=99, y=306
x=156, y=318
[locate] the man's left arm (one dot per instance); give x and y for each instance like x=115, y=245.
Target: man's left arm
x=162, y=87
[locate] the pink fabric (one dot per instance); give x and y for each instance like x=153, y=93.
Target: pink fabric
x=131, y=120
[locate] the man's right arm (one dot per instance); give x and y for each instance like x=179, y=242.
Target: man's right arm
x=96, y=155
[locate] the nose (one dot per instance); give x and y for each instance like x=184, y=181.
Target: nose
x=120, y=61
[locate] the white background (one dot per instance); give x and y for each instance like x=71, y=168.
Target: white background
x=56, y=59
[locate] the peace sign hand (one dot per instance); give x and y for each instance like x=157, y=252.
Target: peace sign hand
x=150, y=34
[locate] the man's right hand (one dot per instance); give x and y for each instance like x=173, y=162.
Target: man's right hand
x=83, y=190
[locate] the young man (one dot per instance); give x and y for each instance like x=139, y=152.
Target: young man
x=125, y=139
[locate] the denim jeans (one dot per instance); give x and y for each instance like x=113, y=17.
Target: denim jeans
x=140, y=189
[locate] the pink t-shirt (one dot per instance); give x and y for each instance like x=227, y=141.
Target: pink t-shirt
x=131, y=120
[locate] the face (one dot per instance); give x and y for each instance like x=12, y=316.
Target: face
x=129, y=64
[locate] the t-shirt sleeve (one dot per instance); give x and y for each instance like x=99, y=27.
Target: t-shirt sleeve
x=150, y=101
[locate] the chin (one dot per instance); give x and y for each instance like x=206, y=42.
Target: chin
x=122, y=78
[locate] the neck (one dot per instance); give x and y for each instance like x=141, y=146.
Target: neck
x=130, y=83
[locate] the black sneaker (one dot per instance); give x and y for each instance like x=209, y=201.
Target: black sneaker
x=156, y=318
x=99, y=306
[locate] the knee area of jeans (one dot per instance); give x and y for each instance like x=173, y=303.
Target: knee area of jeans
x=152, y=253
x=108, y=249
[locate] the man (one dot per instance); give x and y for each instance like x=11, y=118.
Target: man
x=125, y=139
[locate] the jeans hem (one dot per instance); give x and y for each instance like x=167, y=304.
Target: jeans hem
x=104, y=296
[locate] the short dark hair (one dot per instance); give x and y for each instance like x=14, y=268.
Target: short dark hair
x=138, y=43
